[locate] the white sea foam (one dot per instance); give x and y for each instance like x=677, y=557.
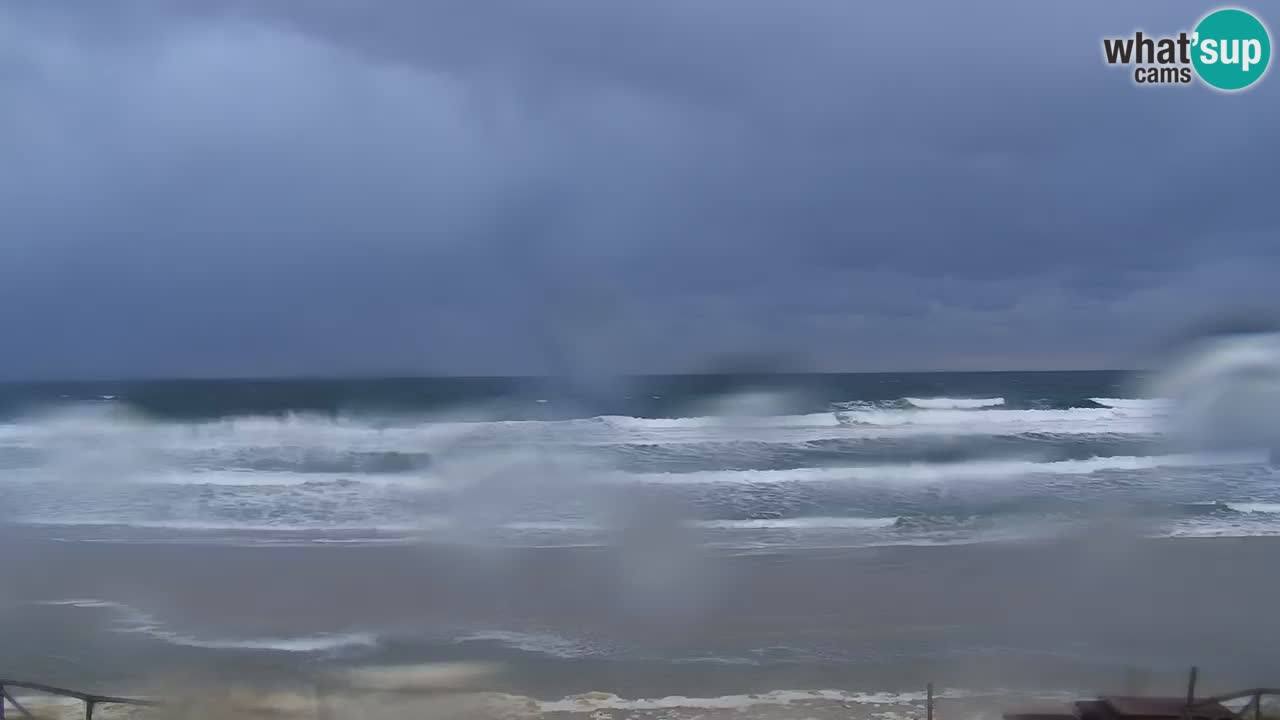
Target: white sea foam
x=594, y=701
x=801, y=523
x=977, y=470
x=1084, y=419
x=305, y=644
x=876, y=423
x=553, y=526
x=292, y=517
x=436, y=526
x=1255, y=507
x=132, y=620
x=427, y=523
x=543, y=643
x=81, y=603
x=1255, y=519
x=1150, y=404
x=270, y=478
x=945, y=403
x=121, y=609
x=1220, y=529
x=825, y=419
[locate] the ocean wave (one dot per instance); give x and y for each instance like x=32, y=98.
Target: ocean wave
x=879, y=423
x=959, y=455
x=542, y=643
x=1151, y=404
x=944, y=403
x=825, y=419
x=97, y=604
x=293, y=527
x=732, y=536
x=131, y=620
x=552, y=526
x=322, y=643
x=801, y=523
x=275, y=478
x=596, y=701
x=1221, y=529
x=944, y=472
x=1253, y=507
x=1094, y=419
x=581, y=504
x=387, y=533
x=380, y=441
x=943, y=415
x=271, y=478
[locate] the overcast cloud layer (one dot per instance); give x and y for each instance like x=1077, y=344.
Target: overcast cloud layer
x=463, y=187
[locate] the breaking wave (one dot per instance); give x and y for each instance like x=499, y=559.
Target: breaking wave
x=943, y=403
x=1252, y=507
x=1149, y=404
x=101, y=471
x=958, y=472
x=802, y=523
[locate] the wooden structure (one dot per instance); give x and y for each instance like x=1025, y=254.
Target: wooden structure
x=1117, y=707
x=1111, y=707
x=90, y=700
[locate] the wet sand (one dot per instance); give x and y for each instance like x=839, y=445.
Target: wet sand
x=650, y=620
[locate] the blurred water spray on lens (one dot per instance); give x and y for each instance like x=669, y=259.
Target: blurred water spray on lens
x=1224, y=388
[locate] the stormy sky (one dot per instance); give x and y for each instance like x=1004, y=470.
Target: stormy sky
x=276, y=187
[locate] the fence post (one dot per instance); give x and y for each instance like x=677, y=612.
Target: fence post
x=3, y=694
x=322, y=701
x=1191, y=686
x=929, y=701
x=88, y=710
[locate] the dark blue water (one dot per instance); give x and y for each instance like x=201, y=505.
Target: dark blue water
x=521, y=398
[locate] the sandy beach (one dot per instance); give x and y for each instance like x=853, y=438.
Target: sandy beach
x=1078, y=613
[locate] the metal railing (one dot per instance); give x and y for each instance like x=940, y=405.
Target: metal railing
x=1255, y=696
x=90, y=700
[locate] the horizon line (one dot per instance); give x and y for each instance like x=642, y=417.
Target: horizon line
x=393, y=377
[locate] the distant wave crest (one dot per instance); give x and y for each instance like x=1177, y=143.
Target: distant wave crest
x=1151, y=404
x=945, y=403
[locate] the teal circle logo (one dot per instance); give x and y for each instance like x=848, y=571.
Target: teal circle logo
x=1232, y=49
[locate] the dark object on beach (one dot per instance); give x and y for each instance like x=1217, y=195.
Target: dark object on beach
x=1116, y=707
x=1131, y=708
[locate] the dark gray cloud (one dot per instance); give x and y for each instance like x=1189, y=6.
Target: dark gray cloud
x=469, y=187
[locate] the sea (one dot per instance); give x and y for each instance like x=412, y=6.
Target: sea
x=752, y=463
x=636, y=536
